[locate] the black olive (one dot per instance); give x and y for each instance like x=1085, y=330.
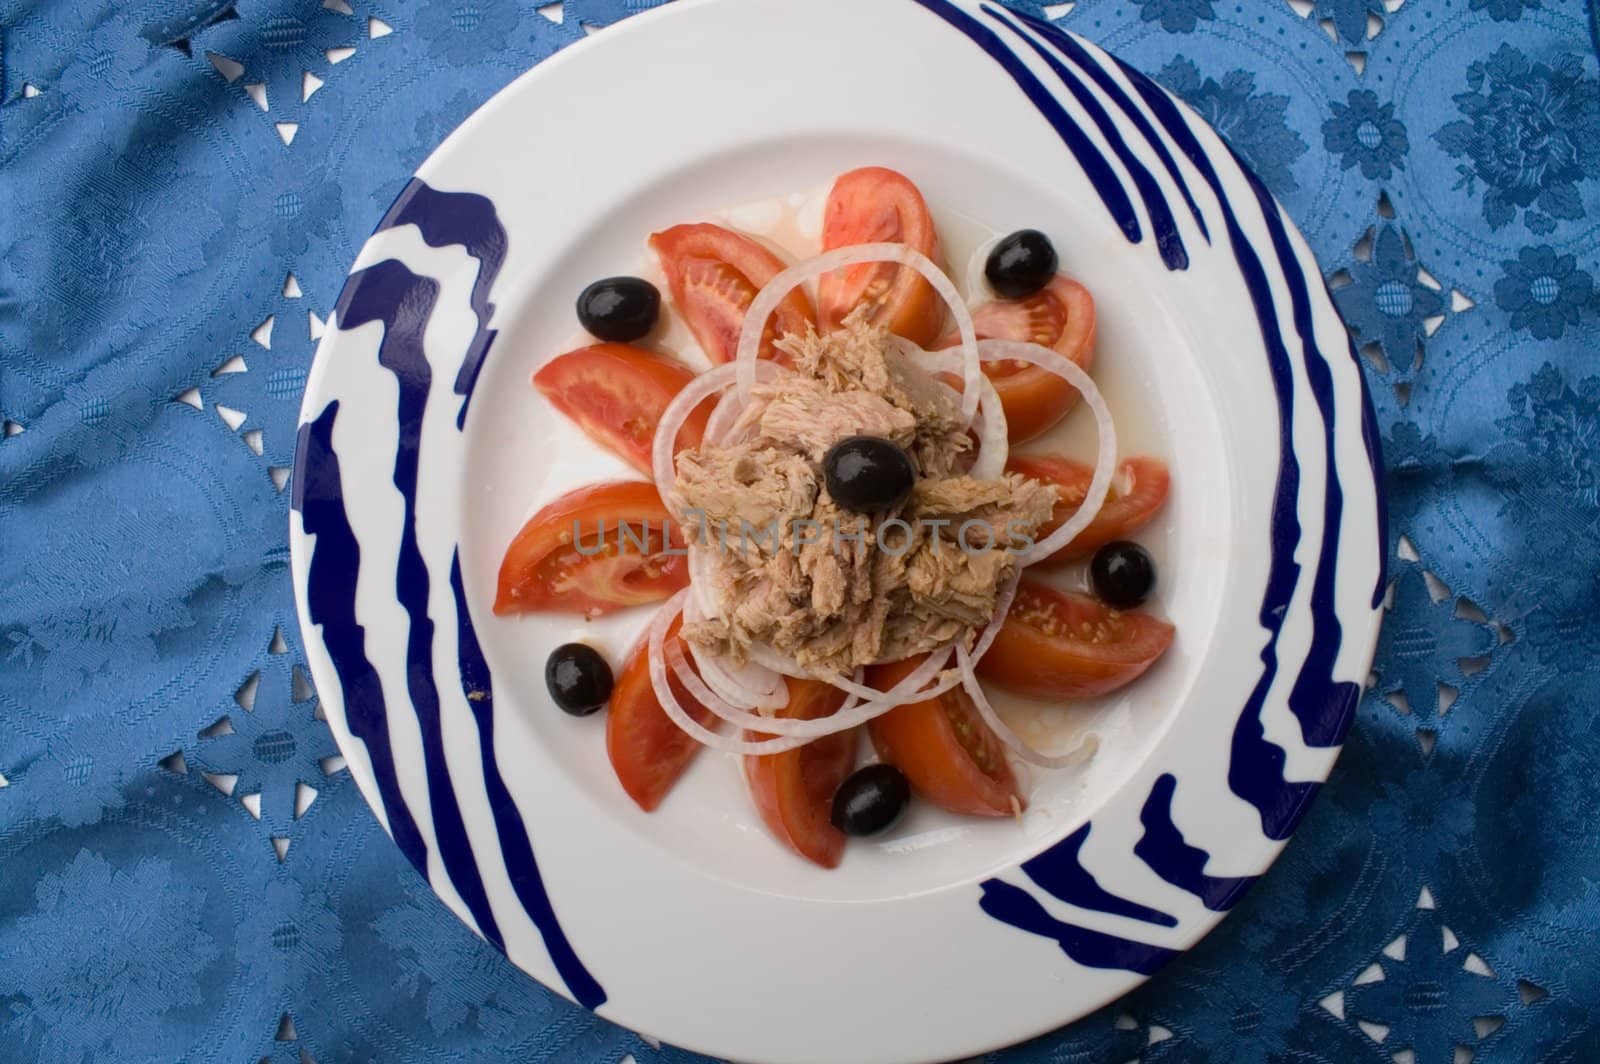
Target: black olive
x=870, y=800
x=578, y=677
x=1123, y=574
x=620, y=309
x=1021, y=264
x=867, y=474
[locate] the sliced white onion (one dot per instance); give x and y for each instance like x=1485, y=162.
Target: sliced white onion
x=723, y=415
x=1002, y=608
x=864, y=703
x=1014, y=742
x=854, y=700
x=902, y=692
x=748, y=686
x=913, y=687
x=915, y=353
x=774, y=291
x=765, y=656
x=702, y=580
x=720, y=685
x=733, y=714
x=656, y=649
x=978, y=290
x=994, y=443
x=789, y=734
x=663, y=446
x=732, y=404
x=850, y=713
x=1105, y=460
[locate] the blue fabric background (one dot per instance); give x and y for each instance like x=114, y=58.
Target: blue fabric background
x=1443, y=156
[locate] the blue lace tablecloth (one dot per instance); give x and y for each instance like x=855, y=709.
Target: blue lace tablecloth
x=186, y=872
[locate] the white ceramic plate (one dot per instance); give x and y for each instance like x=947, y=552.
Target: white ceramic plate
x=422, y=449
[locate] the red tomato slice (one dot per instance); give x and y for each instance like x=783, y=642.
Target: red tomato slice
x=793, y=791
x=949, y=755
x=1060, y=316
x=1056, y=644
x=616, y=393
x=1124, y=512
x=543, y=569
x=648, y=752
x=714, y=274
x=871, y=206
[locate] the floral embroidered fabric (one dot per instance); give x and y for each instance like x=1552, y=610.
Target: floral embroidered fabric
x=187, y=873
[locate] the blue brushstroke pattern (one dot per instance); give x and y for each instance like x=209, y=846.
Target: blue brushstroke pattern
x=515, y=847
x=1163, y=848
x=468, y=219
x=1323, y=706
x=1100, y=174
x=318, y=497
x=1168, y=240
x=1061, y=874
x=1255, y=770
x=1079, y=56
x=1255, y=766
x=1093, y=949
x=390, y=293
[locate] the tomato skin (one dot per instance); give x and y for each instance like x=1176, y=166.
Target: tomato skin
x=544, y=572
x=648, y=752
x=1123, y=513
x=877, y=205
x=616, y=393
x=793, y=791
x=1061, y=317
x=714, y=274
x=1043, y=651
x=949, y=755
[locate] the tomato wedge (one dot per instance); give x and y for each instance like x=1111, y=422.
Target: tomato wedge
x=870, y=206
x=544, y=569
x=1125, y=512
x=1056, y=644
x=714, y=274
x=1060, y=316
x=793, y=791
x=949, y=755
x=648, y=752
x=616, y=393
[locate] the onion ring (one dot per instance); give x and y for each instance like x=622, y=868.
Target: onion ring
x=773, y=292
x=655, y=649
x=691, y=395
x=747, y=686
x=789, y=734
x=977, y=270
x=732, y=405
x=994, y=442
x=1014, y=742
x=1105, y=460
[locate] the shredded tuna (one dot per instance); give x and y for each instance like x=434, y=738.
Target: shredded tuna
x=832, y=589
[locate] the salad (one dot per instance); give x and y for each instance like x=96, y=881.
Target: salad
x=835, y=534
